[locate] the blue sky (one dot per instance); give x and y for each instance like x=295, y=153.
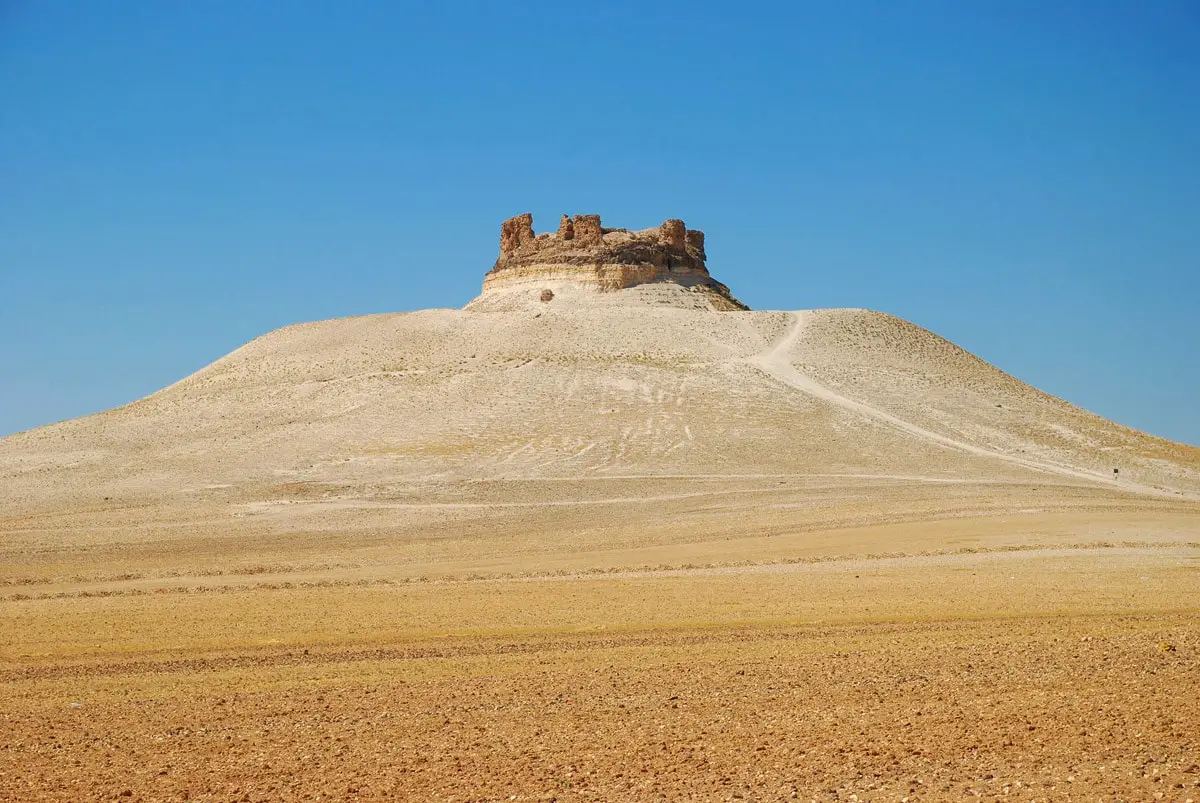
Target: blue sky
x=1020, y=176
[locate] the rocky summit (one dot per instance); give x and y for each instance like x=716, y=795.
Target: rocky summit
x=582, y=255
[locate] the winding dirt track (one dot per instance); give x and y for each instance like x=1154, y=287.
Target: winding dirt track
x=779, y=361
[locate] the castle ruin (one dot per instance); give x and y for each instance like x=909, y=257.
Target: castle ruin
x=606, y=259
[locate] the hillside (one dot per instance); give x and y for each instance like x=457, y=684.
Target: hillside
x=617, y=391
x=609, y=545
x=333, y=424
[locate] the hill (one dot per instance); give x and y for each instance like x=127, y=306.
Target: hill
x=602, y=534
x=409, y=421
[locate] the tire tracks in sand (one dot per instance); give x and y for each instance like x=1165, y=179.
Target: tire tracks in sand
x=774, y=362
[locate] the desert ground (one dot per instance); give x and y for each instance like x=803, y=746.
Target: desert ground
x=605, y=551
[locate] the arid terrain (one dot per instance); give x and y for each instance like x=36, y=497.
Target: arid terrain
x=616, y=546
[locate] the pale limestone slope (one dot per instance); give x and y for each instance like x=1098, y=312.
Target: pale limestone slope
x=401, y=404
x=892, y=364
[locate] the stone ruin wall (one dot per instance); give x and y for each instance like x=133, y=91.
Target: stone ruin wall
x=587, y=230
x=582, y=251
x=516, y=232
x=672, y=234
x=517, y=237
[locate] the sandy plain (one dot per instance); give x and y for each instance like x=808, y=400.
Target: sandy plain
x=602, y=553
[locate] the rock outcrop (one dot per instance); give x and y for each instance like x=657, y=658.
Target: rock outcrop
x=516, y=232
x=584, y=252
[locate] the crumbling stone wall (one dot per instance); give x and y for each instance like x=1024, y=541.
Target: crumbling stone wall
x=672, y=234
x=584, y=231
x=607, y=259
x=566, y=229
x=516, y=232
x=587, y=229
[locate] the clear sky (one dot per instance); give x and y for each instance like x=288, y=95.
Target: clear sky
x=1020, y=176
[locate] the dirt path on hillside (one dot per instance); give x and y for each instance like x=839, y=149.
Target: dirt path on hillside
x=776, y=362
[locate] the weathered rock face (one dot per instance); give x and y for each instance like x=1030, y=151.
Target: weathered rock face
x=583, y=252
x=566, y=229
x=587, y=229
x=672, y=233
x=516, y=232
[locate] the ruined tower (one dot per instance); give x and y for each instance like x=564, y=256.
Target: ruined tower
x=582, y=252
